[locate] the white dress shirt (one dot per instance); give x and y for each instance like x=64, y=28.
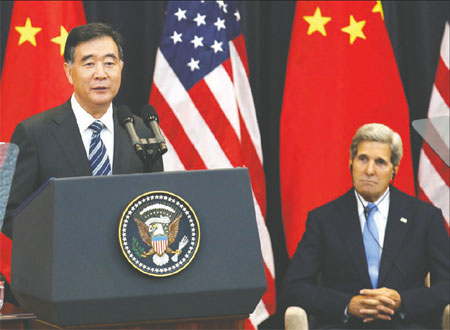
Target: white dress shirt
x=380, y=215
x=84, y=120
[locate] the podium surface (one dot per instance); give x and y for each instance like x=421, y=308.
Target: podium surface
x=68, y=267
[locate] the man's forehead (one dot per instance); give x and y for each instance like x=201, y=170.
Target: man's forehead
x=96, y=56
x=98, y=47
x=380, y=149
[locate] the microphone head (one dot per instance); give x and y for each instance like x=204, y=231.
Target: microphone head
x=125, y=115
x=148, y=113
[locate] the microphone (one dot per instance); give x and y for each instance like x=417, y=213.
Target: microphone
x=148, y=114
x=127, y=121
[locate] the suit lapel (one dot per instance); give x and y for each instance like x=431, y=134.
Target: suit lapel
x=68, y=137
x=396, y=231
x=351, y=233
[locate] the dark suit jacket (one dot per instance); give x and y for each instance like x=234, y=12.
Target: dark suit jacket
x=51, y=146
x=333, y=246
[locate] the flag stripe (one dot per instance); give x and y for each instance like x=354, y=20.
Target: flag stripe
x=260, y=314
x=256, y=171
x=269, y=297
x=239, y=44
x=442, y=81
x=175, y=133
x=438, y=164
x=245, y=100
x=218, y=123
x=171, y=157
x=438, y=107
x=220, y=83
x=227, y=66
x=5, y=256
x=444, y=52
x=431, y=183
x=264, y=238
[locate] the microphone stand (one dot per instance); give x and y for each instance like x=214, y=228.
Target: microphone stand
x=152, y=151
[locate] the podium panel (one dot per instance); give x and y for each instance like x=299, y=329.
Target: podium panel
x=68, y=267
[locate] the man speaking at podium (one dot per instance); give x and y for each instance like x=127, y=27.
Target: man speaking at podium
x=373, y=248
x=83, y=136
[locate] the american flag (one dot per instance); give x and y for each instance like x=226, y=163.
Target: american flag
x=202, y=94
x=433, y=172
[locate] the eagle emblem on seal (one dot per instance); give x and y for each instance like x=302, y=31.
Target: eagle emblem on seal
x=159, y=233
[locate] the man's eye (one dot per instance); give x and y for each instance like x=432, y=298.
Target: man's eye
x=109, y=64
x=89, y=64
x=362, y=158
x=380, y=162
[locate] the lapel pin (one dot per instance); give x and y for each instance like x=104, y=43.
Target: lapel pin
x=404, y=220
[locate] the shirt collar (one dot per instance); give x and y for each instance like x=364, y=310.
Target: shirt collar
x=85, y=119
x=382, y=203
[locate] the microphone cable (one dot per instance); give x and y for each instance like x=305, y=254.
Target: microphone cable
x=383, y=251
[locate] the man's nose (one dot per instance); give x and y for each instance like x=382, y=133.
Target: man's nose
x=100, y=72
x=370, y=169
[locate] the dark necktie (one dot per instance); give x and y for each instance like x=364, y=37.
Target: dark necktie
x=371, y=245
x=98, y=157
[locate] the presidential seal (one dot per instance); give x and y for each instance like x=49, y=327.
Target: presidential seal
x=159, y=233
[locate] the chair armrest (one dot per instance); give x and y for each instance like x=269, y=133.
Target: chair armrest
x=446, y=318
x=295, y=318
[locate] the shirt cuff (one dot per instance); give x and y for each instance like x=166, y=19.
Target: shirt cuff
x=346, y=315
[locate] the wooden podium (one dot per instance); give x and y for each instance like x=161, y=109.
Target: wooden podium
x=68, y=267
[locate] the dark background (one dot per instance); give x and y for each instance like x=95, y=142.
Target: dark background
x=415, y=29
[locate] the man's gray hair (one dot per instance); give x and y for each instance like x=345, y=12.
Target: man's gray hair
x=378, y=133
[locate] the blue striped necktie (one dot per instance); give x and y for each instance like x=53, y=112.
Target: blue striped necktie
x=371, y=245
x=98, y=158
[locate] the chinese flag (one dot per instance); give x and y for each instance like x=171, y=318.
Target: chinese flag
x=341, y=74
x=33, y=78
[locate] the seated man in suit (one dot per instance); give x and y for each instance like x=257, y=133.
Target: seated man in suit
x=373, y=248
x=83, y=136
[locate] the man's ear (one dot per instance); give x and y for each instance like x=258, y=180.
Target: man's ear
x=68, y=70
x=394, y=172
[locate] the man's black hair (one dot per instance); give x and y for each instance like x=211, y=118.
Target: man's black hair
x=88, y=32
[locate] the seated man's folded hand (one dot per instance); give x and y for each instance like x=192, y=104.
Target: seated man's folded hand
x=375, y=304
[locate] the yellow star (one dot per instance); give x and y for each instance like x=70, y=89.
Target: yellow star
x=355, y=29
x=378, y=8
x=61, y=39
x=27, y=32
x=317, y=22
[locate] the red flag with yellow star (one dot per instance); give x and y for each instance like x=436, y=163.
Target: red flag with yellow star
x=33, y=77
x=341, y=74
